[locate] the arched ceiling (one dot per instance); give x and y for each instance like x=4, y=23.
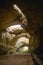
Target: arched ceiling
x=32, y=9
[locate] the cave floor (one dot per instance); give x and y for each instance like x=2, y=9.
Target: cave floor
x=19, y=59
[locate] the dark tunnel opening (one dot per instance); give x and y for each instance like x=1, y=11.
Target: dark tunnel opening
x=39, y=50
x=41, y=40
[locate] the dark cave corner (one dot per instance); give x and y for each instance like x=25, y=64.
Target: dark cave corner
x=39, y=50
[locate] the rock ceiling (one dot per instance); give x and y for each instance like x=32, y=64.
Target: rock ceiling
x=32, y=9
